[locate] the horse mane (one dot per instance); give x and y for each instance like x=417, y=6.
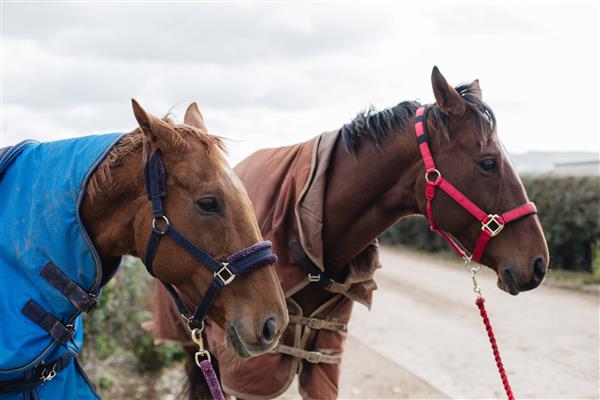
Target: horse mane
x=136, y=141
x=375, y=126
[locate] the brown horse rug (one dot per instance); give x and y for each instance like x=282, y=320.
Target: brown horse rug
x=287, y=187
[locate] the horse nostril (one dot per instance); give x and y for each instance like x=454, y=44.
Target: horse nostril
x=539, y=269
x=269, y=330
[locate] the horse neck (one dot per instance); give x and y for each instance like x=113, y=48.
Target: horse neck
x=109, y=214
x=381, y=191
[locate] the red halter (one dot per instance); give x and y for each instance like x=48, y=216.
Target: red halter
x=491, y=224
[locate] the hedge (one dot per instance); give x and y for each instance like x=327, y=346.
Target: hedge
x=569, y=210
x=114, y=335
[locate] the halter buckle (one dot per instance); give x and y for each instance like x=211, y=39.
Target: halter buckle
x=315, y=323
x=229, y=277
x=314, y=278
x=493, y=226
x=314, y=357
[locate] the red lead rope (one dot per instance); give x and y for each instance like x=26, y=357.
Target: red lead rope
x=488, y=327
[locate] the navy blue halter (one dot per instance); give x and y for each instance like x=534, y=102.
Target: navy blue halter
x=240, y=263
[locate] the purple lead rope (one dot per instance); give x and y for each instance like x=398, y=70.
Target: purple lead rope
x=211, y=380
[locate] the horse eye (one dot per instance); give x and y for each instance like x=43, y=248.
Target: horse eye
x=208, y=204
x=489, y=165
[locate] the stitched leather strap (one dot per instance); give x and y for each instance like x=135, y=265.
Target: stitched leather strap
x=72, y=291
x=314, y=357
x=56, y=329
x=316, y=323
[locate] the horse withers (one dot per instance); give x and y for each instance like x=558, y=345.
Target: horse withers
x=324, y=202
x=71, y=209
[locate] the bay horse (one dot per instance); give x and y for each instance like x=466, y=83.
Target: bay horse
x=324, y=202
x=72, y=208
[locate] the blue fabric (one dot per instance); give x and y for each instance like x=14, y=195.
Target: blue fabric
x=41, y=191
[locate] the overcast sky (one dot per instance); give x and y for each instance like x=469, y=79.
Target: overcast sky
x=269, y=74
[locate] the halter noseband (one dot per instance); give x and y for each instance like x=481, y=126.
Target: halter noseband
x=255, y=256
x=491, y=224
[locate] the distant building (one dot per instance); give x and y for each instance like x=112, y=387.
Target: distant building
x=578, y=168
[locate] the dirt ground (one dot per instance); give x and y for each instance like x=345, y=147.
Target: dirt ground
x=424, y=319
x=424, y=338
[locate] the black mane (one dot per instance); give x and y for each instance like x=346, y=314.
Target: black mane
x=375, y=126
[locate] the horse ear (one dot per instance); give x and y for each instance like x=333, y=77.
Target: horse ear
x=446, y=96
x=194, y=118
x=475, y=89
x=156, y=130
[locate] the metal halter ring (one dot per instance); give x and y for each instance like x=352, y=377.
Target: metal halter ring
x=166, y=221
x=437, y=178
x=494, y=229
x=189, y=324
x=229, y=278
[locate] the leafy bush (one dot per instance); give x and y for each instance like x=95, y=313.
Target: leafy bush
x=569, y=210
x=113, y=331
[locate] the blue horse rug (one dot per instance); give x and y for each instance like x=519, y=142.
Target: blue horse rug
x=50, y=271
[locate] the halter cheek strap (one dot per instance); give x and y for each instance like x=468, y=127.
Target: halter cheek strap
x=240, y=263
x=491, y=224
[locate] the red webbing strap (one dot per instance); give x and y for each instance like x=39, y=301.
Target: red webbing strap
x=422, y=140
x=480, y=246
x=462, y=200
x=421, y=132
x=488, y=327
x=450, y=241
x=509, y=216
x=519, y=212
x=433, y=179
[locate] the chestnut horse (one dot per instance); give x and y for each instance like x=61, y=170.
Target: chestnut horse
x=374, y=176
x=199, y=198
x=207, y=202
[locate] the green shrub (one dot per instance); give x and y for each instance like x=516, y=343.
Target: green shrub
x=113, y=328
x=569, y=210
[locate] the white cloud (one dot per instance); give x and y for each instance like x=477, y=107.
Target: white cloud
x=276, y=73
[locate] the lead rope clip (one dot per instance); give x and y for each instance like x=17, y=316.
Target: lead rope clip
x=202, y=352
x=472, y=269
x=202, y=359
